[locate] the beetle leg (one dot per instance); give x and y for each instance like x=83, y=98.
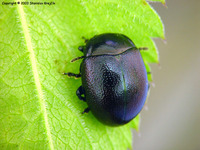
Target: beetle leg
x=143, y=48
x=79, y=92
x=69, y=74
x=80, y=48
x=148, y=86
x=86, y=110
x=77, y=58
x=86, y=40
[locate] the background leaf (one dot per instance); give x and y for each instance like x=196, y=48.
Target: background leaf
x=38, y=105
x=162, y=1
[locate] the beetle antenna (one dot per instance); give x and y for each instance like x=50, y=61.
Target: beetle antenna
x=143, y=48
x=77, y=58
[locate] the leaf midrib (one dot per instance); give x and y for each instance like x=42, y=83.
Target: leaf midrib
x=33, y=62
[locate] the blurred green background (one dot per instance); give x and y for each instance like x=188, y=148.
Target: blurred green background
x=172, y=121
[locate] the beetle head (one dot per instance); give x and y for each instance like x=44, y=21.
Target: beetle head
x=107, y=44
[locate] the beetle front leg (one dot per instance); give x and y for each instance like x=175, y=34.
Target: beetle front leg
x=80, y=91
x=148, y=73
x=86, y=110
x=148, y=86
x=69, y=74
x=85, y=39
x=80, y=48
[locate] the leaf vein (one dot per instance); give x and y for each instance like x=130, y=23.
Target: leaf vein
x=35, y=72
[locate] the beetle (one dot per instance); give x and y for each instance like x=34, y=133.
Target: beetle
x=114, y=78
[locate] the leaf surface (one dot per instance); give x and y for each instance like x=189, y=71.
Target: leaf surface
x=38, y=105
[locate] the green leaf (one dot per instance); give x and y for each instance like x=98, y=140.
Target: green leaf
x=38, y=105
